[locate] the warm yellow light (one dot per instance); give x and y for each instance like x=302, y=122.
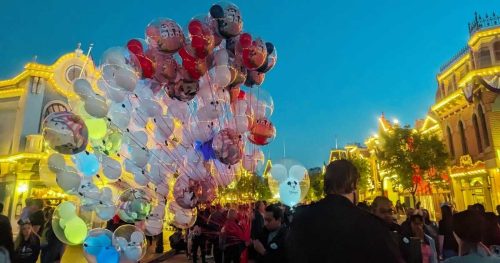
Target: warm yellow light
x=395, y=121
x=22, y=188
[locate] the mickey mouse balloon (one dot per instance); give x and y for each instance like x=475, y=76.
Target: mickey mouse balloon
x=292, y=179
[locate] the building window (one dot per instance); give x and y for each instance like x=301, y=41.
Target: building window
x=482, y=118
x=478, y=134
x=496, y=50
x=54, y=107
x=73, y=72
x=463, y=139
x=450, y=142
x=484, y=58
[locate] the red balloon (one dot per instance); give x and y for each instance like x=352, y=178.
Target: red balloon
x=196, y=67
x=147, y=66
x=253, y=53
x=202, y=38
x=262, y=132
x=135, y=46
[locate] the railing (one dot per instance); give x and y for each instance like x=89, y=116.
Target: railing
x=483, y=22
x=457, y=56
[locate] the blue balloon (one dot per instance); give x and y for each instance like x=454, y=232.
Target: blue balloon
x=94, y=244
x=206, y=149
x=108, y=255
x=87, y=163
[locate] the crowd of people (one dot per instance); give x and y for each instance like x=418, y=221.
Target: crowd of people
x=36, y=238
x=339, y=229
x=335, y=229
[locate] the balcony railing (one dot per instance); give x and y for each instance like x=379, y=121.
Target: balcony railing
x=455, y=58
x=483, y=22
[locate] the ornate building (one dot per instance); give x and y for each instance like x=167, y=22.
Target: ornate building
x=467, y=108
x=25, y=101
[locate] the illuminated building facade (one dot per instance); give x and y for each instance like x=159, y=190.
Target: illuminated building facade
x=25, y=101
x=468, y=111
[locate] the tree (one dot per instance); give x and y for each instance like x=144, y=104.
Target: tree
x=248, y=187
x=364, y=169
x=412, y=157
x=316, y=191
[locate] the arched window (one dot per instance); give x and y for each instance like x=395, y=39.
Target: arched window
x=53, y=107
x=478, y=134
x=463, y=140
x=450, y=142
x=496, y=50
x=484, y=58
x=482, y=118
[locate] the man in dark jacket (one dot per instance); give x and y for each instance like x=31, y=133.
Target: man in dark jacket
x=335, y=230
x=271, y=245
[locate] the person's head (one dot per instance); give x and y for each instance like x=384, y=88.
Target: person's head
x=341, y=177
x=218, y=207
x=228, y=206
x=273, y=217
x=36, y=204
x=382, y=208
x=409, y=212
x=28, y=201
x=478, y=207
x=232, y=214
x=467, y=228
x=491, y=230
x=425, y=214
x=417, y=223
x=26, y=228
x=260, y=207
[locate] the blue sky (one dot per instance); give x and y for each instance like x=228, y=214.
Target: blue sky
x=340, y=63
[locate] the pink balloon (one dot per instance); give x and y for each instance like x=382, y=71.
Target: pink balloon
x=228, y=146
x=187, y=192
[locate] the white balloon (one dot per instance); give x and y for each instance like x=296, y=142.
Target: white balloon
x=241, y=124
x=119, y=115
x=69, y=180
x=96, y=106
x=279, y=172
x=83, y=88
x=126, y=78
x=297, y=172
x=111, y=168
x=165, y=125
x=56, y=162
x=221, y=57
x=220, y=76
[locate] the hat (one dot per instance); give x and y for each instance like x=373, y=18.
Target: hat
x=23, y=222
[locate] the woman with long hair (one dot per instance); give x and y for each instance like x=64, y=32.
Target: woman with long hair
x=27, y=245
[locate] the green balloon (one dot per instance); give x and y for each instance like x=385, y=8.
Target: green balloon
x=97, y=128
x=67, y=210
x=75, y=230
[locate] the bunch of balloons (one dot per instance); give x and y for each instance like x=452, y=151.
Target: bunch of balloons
x=176, y=109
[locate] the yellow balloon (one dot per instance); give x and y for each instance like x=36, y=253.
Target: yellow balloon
x=97, y=128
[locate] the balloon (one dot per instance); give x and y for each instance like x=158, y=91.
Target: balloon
x=228, y=146
x=119, y=114
x=291, y=179
x=180, y=217
x=164, y=125
x=96, y=106
x=272, y=57
x=111, y=168
x=136, y=46
x=202, y=37
x=120, y=68
x=65, y=132
x=260, y=102
x=83, y=88
x=262, y=132
x=154, y=222
x=108, y=255
x=205, y=149
x=112, y=93
x=184, y=88
x=225, y=173
x=253, y=52
x=165, y=34
x=68, y=227
x=97, y=128
x=75, y=231
x=187, y=191
x=228, y=18
x=195, y=67
x=68, y=179
x=86, y=163
x=254, y=78
x=89, y=194
x=166, y=66
x=209, y=190
x=97, y=240
x=56, y=163
x=131, y=242
x=134, y=205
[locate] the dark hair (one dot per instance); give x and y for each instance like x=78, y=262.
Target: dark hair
x=363, y=206
x=446, y=217
x=1, y=207
x=414, y=218
x=491, y=231
x=257, y=204
x=478, y=207
x=276, y=210
x=37, y=202
x=468, y=226
x=341, y=177
x=379, y=200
